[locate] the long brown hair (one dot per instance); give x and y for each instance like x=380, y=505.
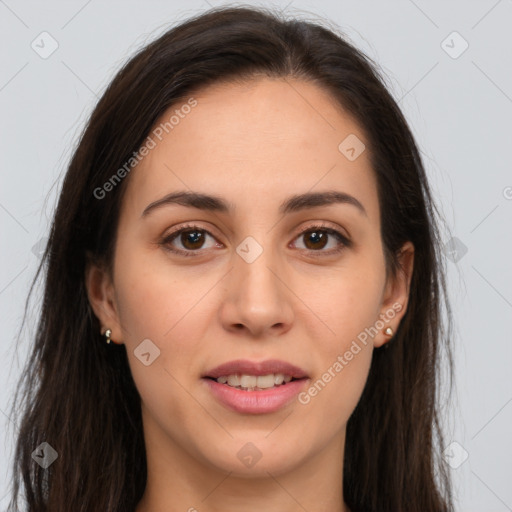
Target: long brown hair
x=77, y=393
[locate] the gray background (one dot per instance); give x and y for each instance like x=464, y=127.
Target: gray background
x=459, y=109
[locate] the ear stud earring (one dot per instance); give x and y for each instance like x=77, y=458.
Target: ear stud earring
x=107, y=335
x=388, y=332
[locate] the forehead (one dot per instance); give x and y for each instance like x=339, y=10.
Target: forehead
x=258, y=141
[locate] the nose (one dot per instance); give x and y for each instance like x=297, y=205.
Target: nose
x=257, y=299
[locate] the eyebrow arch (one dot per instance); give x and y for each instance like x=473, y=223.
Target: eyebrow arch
x=292, y=204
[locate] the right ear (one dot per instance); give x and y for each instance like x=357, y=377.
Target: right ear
x=100, y=292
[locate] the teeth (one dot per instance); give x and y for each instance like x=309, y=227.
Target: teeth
x=248, y=381
x=251, y=382
x=278, y=379
x=233, y=380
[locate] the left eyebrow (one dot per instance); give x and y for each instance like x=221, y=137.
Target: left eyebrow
x=292, y=204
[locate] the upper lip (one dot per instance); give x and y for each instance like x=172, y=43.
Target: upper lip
x=246, y=367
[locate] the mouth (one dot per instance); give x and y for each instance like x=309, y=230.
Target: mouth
x=255, y=387
x=247, y=382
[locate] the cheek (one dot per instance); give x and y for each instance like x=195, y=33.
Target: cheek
x=332, y=396
x=163, y=305
x=156, y=304
x=154, y=298
x=348, y=308
x=348, y=304
x=343, y=359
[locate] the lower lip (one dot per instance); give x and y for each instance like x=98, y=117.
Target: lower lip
x=256, y=402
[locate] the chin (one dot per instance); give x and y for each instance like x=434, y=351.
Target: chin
x=246, y=458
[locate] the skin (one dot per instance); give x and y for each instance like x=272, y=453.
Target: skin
x=254, y=145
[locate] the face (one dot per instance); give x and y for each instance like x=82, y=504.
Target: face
x=265, y=275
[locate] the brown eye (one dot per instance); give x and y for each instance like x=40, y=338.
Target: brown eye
x=316, y=238
x=191, y=238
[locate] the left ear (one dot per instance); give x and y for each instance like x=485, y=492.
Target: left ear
x=396, y=295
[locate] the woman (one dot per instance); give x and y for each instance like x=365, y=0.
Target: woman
x=242, y=306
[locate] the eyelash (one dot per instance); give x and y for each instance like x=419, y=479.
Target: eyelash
x=344, y=242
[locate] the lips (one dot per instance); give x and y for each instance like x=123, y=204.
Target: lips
x=255, y=402
x=246, y=367
x=251, y=399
